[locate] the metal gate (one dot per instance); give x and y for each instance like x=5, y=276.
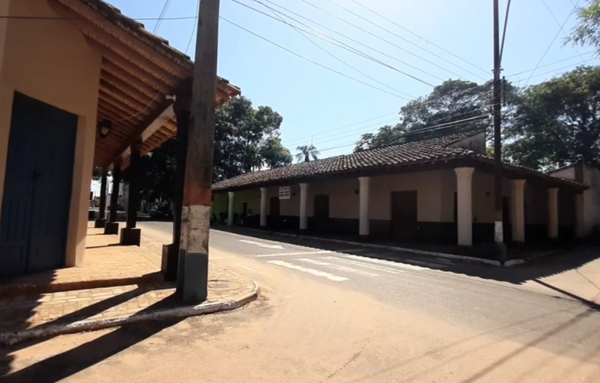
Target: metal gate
x=37, y=187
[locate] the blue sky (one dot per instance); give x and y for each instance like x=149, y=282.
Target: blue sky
x=317, y=103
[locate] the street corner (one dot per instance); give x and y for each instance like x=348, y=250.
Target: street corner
x=55, y=314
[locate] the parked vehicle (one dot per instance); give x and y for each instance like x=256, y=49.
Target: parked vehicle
x=161, y=212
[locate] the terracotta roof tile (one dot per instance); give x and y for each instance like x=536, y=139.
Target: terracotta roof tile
x=401, y=154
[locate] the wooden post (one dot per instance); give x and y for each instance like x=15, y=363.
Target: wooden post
x=171, y=252
x=112, y=226
x=199, y=167
x=130, y=235
x=101, y=220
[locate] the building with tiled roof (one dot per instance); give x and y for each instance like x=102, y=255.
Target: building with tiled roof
x=435, y=190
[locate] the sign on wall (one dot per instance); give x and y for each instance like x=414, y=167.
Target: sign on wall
x=284, y=192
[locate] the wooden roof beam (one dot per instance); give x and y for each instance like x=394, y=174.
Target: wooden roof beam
x=124, y=98
x=127, y=111
x=134, y=81
x=130, y=90
x=125, y=43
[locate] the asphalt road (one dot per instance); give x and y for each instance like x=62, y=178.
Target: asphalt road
x=347, y=314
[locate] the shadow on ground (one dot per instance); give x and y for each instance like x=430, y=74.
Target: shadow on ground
x=68, y=363
x=537, y=269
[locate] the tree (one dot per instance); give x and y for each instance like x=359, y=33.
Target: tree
x=452, y=101
x=305, y=152
x=557, y=122
x=587, y=30
x=247, y=139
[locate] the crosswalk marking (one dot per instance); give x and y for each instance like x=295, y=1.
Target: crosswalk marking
x=368, y=266
x=337, y=267
x=267, y=245
x=387, y=263
x=317, y=273
x=316, y=252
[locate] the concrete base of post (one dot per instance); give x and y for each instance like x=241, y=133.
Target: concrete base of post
x=131, y=237
x=494, y=251
x=169, y=263
x=99, y=223
x=111, y=228
x=364, y=238
x=195, y=277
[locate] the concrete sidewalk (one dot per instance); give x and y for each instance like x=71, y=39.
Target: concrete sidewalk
x=112, y=289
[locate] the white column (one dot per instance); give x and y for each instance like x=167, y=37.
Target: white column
x=464, y=191
x=363, y=227
x=230, y=211
x=553, y=213
x=517, y=188
x=263, y=207
x=579, y=216
x=303, y=206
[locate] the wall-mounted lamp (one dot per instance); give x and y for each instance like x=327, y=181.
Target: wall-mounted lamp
x=104, y=128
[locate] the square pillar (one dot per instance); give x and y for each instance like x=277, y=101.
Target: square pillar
x=517, y=189
x=580, y=230
x=303, y=206
x=464, y=190
x=131, y=235
x=101, y=220
x=363, y=226
x=112, y=226
x=553, y=213
x=263, y=207
x=230, y=210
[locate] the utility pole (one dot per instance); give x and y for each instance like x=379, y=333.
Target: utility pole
x=498, y=234
x=197, y=195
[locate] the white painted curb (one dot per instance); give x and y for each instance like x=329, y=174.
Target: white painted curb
x=9, y=339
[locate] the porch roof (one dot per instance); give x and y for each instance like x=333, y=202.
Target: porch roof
x=139, y=70
x=410, y=156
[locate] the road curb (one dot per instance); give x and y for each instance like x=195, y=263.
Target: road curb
x=388, y=247
x=10, y=339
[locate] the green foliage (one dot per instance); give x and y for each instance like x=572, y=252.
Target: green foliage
x=246, y=139
x=306, y=152
x=452, y=101
x=557, y=122
x=587, y=30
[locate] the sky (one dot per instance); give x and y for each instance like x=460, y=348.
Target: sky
x=431, y=41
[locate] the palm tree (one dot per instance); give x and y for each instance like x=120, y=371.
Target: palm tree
x=305, y=152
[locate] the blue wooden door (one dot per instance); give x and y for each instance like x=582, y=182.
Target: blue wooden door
x=37, y=188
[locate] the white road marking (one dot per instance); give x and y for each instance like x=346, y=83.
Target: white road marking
x=269, y=246
x=368, y=266
x=337, y=267
x=294, y=253
x=387, y=263
x=249, y=268
x=317, y=273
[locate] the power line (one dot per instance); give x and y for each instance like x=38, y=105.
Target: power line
x=309, y=60
x=187, y=48
x=418, y=36
x=346, y=126
x=334, y=56
x=380, y=38
x=505, y=27
x=552, y=63
x=338, y=42
x=424, y=130
x=402, y=38
x=558, y=22
x=561, y=68
x=345, y=133
x=160, y=17
x=342, y=35
x=553, y=40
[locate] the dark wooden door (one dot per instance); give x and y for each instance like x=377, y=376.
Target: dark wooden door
x=404, y=216
x=37, y=189
x=321, y=212
x=274, y=212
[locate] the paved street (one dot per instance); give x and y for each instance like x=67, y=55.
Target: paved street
x=338, y=313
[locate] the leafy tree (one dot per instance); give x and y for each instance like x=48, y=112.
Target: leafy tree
x=452, y=101
x=305, y=152
x=558, y=122
x=587, y=30
x=246, y=139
